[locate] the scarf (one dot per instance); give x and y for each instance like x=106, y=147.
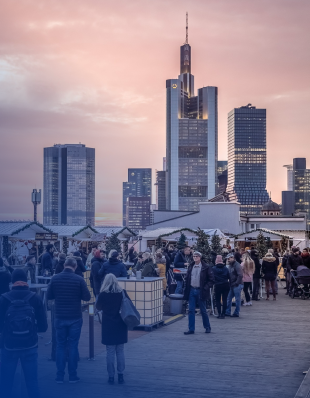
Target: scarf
x=304, y=255
x=20, y=283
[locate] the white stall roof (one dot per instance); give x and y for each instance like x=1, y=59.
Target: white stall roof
x=21, y=229
x=153, y=234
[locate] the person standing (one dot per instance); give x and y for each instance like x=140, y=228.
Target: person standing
x=30, y=267
x=256, y=275
x=148, y=266
x=293, y=261
x=5, y=278
x=29, y=319
x=237, y=255
x=236, y=286
x=305, y=258
x=80, y=269
x=221, y=285
x=199, y=281
x=113, y=328
x=90, y=256
x=61, y=263
x=68, y=290
x=248, y=269
x=269, y=268
x=113, y=266
x=55, y=260
x=161, y=265
x=182, y=259
x=46, y=264
x=96, y=263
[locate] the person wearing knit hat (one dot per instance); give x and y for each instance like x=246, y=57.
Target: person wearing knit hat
x=221, y=286
x=96, y=263
x=5, y=278
x=22, y=347
x=113, y=266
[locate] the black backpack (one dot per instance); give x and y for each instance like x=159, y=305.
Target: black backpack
x=20, y=328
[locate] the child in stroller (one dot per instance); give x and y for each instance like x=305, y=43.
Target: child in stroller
x=300, y=281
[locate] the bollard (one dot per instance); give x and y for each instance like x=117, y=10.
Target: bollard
x=91, y=332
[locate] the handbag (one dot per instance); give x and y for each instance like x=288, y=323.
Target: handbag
x=129, y=313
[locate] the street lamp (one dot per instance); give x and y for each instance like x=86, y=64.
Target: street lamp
x=36, y=200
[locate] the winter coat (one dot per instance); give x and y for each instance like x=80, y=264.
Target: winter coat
x=54, y=263
x=148, y=268
x=68, y=290
x=95, y=279
x=306, y=260
x=255, y=258
x=160, y=264
x=18, y=293
x=269, y=267
x=246, y=277
x=236, y=274
x=113, y=329
x=60, y=266
x=179, y=261
x=221, y=274
x=293, y=262
x=5, y=280
x=79, y=269
x=112, y=266
x=238, y=257
x=46, y=263
x=206, y=281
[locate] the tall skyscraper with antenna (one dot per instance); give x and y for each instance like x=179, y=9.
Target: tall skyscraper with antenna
x=191, y=138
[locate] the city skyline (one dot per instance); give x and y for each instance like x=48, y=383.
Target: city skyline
x=267, y=67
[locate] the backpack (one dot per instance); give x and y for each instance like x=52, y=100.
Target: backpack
x=20, y=328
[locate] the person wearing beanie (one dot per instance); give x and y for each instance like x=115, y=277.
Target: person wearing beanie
x=47, y=264
x=221, y=286
x=80, y=269
x=5, y=278
x=27, y=356
x=113, y=266
x=96, y=263
x=61, y=261
x=269, y=268
x=199, y=281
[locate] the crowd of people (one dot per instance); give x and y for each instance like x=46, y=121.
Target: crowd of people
x=23, y=315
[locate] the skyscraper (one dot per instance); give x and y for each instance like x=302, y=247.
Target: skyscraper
x=247, y=162
x=191, y=139
x=139, y=184
x=138, y=212
x=69, y=185
x=301, y=185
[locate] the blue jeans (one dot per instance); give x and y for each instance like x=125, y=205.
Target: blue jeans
x=234, y=292
x=118, y=351
x=67, y=332
x=29, y=361
x=179, y=289
x=193, y=300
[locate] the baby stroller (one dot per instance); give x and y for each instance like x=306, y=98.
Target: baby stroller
x=300, y=281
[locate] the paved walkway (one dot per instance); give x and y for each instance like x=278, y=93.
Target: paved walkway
x=260, y=354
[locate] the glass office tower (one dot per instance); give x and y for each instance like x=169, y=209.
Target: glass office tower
x=191, y=139
x=301, y=185
x=138, y=212
x=139, y=184
x=69, y=185
x=247, y=162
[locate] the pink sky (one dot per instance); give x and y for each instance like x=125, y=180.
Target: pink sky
x=94, y=71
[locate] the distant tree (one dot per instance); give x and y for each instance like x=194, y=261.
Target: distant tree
x=158, y=243
x=181, y=243
x=202, y=245
x=261, y=245
x=113, y=243
x=216, y=246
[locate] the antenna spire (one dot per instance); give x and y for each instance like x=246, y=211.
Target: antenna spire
x=186, y=40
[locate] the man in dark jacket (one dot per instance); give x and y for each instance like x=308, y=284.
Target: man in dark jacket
x=256, y=275
x=46, y=264
x=113, y=266
x=236, y=285
x=68, y=289
x=293, y=261
x=237, y=255
x=199, y=281
x=96, y=263
x=30, y=268
x=182, y=259
x=28, y=357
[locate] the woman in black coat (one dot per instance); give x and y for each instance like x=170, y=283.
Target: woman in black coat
x=114, y=330
x=269, y=268
x=96, y=264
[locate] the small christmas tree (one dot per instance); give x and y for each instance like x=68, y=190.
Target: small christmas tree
x=283, y=245
x=65, y=245
x=158, y=243
x=6, y=249
x=216, y=246
x=113, y=243
x=261, y=245
x=181, y=243
x=202, y=245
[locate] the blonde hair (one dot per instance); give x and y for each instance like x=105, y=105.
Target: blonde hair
x=110, y=285
x=248, y=264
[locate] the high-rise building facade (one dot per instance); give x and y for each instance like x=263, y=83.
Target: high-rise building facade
x=191, y=139
x=69, y=185
x=138, y=212
x=222, y=174
x=301, y=185
x=247, y=160
x=139, y=184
